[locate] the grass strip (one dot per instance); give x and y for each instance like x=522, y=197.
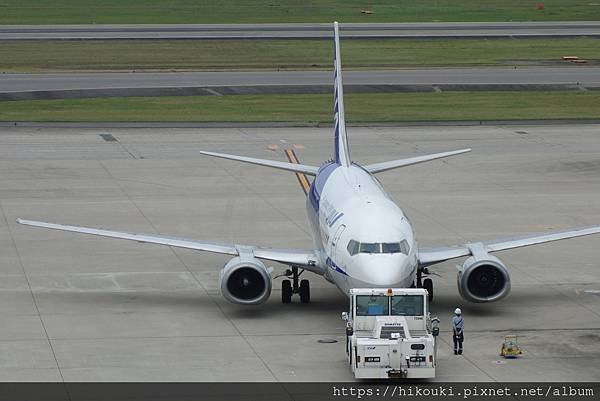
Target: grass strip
x=363, y=108
x=259, y=11
x=40, y=56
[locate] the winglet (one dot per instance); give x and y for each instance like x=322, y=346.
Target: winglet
x=342, y=152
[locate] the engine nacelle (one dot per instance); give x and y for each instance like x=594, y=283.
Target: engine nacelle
x=483, y=278
x=245, y=280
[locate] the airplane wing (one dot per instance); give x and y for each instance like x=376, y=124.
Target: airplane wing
x=302, y=258
x=432, y=256
x=392, y=164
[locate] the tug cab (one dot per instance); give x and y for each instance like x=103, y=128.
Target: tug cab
x=390, y=334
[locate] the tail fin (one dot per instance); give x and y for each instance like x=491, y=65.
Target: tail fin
x=342, y=153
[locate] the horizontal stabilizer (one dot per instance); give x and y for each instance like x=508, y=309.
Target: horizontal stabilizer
x=297, y=168
x=384, y=166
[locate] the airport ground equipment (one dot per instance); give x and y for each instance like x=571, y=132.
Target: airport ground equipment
x=390, y=333
x=510, y=348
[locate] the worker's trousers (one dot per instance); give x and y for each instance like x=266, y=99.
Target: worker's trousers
x=458, y=342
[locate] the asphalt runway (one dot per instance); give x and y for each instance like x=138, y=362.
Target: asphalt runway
x=100, y=80
x=304, y=31
x=59, y=85
x=79, y=308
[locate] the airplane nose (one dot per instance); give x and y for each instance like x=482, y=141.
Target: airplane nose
x=389, y=273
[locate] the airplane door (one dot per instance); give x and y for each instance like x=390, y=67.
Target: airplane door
x=335, y=240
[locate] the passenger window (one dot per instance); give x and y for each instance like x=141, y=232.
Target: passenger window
x=370, y=248
x=352, y=247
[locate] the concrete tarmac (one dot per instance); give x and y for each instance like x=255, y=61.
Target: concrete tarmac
x=304, y=31
x=79, y=308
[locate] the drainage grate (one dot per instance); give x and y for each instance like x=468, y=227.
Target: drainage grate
x=108, y=138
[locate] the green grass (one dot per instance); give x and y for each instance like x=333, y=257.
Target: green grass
x=38, y=56
x=259, y=11
x=314, y=108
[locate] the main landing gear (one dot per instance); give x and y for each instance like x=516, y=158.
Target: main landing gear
x=295, y=286
x=425, y=283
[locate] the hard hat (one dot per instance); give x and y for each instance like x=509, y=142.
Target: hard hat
x=457, y=311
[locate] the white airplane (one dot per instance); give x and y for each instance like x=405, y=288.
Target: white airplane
x=361, y=237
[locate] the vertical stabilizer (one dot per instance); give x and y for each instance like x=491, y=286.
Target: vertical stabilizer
x=342, y=153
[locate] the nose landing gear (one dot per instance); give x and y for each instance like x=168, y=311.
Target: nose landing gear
x=428, y=285
x=425, y=283
x=295, y=286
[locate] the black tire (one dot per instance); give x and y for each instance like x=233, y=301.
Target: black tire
x=286, y=291
x=304, y=291
x=428, y=285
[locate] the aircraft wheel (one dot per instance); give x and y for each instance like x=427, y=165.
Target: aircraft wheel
x=286, y=291
x=304, y=291
x=428, y=285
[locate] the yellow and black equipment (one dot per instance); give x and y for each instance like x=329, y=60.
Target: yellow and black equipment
x=510, y=348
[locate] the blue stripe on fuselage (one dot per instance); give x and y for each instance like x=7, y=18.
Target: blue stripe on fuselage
x=335, y=267
x=316, y=187
x=336, y=218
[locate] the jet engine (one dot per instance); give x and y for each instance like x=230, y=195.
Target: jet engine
x=245, y=280
x=483, y=278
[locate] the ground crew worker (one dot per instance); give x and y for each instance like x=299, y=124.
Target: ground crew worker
x=458, y=325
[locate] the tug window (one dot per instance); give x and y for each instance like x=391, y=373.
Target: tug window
x=372, y=305
x=407, y=305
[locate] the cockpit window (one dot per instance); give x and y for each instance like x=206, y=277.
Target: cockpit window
x=355, y=247
x=404, y=247
x=367, y=247
x=391, y=247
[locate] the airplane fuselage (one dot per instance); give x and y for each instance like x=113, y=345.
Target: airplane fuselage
x=362, y=236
